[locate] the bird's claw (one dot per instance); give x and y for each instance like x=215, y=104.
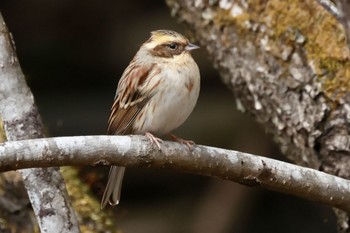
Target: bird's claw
x=190, y=144
x=154, y=140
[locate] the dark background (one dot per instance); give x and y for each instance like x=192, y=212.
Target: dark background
x=73, y=53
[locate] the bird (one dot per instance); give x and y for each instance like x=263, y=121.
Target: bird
x=155, y=95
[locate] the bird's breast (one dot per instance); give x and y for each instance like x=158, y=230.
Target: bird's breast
x=174, y=99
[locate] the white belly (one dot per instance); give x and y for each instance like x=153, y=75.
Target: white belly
x=173, y=104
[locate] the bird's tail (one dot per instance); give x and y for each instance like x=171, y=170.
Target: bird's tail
x=114, y=185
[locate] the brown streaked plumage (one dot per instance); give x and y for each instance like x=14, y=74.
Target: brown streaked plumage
x=129, y=101
x=155, y=95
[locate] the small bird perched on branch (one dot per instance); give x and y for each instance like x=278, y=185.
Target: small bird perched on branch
x=155, y=95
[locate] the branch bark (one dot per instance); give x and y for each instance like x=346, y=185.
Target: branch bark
x=136, y=151
x=45, y=187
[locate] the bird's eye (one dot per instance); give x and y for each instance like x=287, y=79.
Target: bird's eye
x=172, y=46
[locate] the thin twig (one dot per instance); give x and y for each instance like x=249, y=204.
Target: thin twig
x=331, y=8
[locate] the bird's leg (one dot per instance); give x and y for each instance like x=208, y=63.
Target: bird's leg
x=153, y=139
x=190, y=144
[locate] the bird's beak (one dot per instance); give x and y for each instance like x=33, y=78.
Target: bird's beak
x=190, y=47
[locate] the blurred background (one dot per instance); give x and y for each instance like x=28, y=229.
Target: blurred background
x=73, y=53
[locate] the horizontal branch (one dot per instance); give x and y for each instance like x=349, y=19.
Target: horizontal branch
x=136, y=151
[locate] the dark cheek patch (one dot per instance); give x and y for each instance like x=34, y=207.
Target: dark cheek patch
x=164, y=51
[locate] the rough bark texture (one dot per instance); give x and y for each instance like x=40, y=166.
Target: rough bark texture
x=287, y=64
x=15, y=212
x=45, y=187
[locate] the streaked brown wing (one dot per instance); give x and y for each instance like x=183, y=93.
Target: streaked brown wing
x=121, y=119
x=129, y=101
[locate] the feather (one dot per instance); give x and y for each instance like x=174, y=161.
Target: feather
x=130, y=99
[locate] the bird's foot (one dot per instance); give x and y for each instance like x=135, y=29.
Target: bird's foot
x=154, y=140
x=190, y=144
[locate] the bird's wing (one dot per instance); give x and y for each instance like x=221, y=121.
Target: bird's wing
x=132, y=95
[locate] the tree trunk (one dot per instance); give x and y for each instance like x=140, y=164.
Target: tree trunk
x=45, y=186
x=286, y=63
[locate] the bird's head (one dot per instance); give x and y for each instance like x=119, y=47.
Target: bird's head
x=167, y=44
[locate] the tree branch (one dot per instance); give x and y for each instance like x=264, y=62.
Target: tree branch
x=45, y=187
x=136, y=151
